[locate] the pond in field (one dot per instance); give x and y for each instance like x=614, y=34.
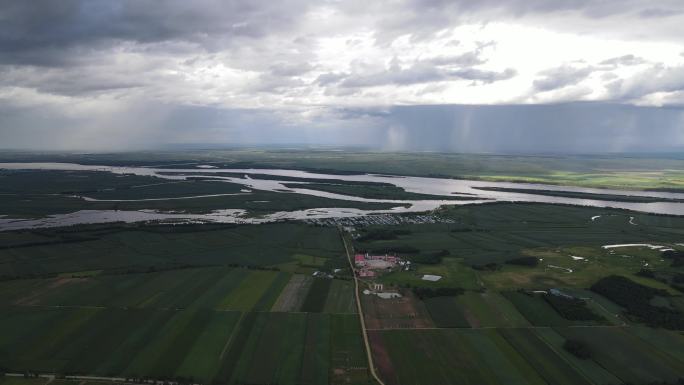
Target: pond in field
x=469, y=192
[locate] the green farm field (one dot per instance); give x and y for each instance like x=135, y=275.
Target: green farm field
x=203, y=345
x=520, y=356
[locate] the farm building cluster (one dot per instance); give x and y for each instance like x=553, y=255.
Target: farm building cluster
x=371, y=265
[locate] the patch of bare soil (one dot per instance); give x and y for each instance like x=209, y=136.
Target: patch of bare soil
x=34, y=297
x=406, y=312
x=381, y=358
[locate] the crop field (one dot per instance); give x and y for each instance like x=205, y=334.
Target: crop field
x=588, y=368
x=476, y=310
x=218, y=288
x=205, y=345
x=340, y=297
x=490, y=309
x=542, y=358
x=348, y=361
x=203, y=321
x=293, y=293
x=452, y=356
x=627, y=356
x=536, y=310
x=446, y=312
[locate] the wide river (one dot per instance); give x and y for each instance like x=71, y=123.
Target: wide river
x=435, y=186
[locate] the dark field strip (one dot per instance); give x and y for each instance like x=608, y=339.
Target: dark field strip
x=204, y=345
x=121, y=356
x=316, y=360
x=347, y=348
x=626, y=356
x=231, y=357
x=542, y=358
x=204, y=358
x=181, y=344
x=271, y=295
x=537, y=311
x=446, y=313
x=340, y=297
x=315, y=299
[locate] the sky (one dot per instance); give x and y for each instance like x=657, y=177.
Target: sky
x=425, y=75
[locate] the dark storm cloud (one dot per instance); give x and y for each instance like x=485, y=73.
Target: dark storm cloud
x=52, y=32
x=68, y=82
x=566, y=128
x=100, y=74
x=57, y=33
x=570, y=127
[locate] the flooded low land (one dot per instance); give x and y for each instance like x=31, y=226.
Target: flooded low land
x=468, y=191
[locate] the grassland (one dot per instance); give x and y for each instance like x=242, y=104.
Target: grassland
x=499, y=232
x=498, y=331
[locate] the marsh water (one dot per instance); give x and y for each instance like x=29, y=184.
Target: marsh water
x=470, y=191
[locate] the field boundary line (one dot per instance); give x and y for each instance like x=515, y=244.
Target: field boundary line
x=562, y=357
x=364, y=332
x=232, y=334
